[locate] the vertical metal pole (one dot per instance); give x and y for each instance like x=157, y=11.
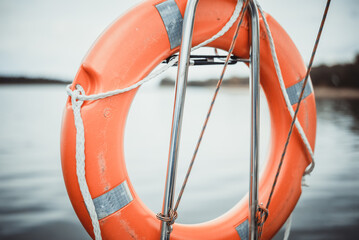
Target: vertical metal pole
x=180, y=92
x=254, y=151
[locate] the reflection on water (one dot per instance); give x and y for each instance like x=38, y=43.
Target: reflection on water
x=349, y=108
x=33, y=199
x=329, y=209
x=32, y=193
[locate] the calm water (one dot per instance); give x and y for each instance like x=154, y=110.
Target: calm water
x=33, y=199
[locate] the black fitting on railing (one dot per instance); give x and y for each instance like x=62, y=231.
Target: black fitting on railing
x=202, y=60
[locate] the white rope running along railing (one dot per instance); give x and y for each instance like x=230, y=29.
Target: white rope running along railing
x=284, y=92
x=264, y=214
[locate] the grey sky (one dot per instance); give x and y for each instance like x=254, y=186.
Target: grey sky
x=49, y=38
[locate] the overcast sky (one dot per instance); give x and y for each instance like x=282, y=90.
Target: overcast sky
x=49, y=38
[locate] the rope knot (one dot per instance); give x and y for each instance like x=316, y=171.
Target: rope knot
x=75, y=94
x=261, y=215
x=170, y=218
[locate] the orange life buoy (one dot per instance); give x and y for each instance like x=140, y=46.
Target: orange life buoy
x=125, y=53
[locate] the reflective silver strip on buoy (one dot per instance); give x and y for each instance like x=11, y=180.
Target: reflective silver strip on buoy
x=172, y=19
x=113, y=200
x=294, y=91
x=242, y=230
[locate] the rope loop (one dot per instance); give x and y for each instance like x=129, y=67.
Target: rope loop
x=170, y=218
x=77, y=102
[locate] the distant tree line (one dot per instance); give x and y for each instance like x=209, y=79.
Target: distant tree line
x=340, y=75
x=27, y=80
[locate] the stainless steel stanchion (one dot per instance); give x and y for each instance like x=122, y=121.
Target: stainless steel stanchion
x=254, y=142
x=181, y=84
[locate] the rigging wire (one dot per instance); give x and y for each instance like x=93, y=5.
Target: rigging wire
x=264, y=214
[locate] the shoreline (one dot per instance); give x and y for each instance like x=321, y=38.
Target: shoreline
x=321, y=92
x=12, y=80
x=335, y=93
x=340, y=80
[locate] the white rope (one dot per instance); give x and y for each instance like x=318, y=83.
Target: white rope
x=78, y=96
x=285, y=94
x=288, y=226
x=159, y=71
x=80, y=160
x=226, y=27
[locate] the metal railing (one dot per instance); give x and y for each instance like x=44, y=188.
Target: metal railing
x=180, y=92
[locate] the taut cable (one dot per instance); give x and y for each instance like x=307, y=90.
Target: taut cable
x=260, y=229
